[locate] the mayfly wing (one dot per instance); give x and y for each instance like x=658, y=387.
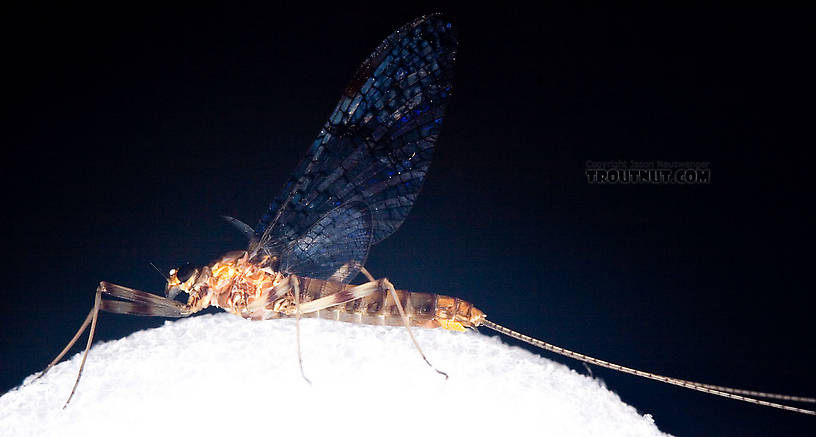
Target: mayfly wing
x=376, y=146
x=336, y=245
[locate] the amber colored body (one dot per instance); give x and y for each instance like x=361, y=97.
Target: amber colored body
x=422, y=309
x=248, y=289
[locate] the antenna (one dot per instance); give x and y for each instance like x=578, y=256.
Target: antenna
x=160, y=272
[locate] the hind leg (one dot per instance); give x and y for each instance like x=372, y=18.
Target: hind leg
x=391, y=291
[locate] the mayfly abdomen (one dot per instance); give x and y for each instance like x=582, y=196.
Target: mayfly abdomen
x=426, y=310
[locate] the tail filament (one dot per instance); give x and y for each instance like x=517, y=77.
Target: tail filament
x=726, y=392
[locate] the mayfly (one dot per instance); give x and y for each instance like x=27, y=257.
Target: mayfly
x=354, y=188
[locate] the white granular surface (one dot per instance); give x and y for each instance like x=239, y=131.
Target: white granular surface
x=222, y=375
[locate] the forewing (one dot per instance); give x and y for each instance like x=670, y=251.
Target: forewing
x=377, y=145
x=336, y=246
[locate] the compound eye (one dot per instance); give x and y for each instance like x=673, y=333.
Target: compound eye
x=185, y=272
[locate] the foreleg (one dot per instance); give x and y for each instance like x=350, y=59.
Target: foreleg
x=139, y=303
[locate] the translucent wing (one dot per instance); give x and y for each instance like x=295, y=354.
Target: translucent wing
x=335, y=246
x=377, y=145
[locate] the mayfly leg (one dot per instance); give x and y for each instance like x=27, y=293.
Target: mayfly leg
x=405, y=320
x=296, y=290
x=91, y=319
x=348, y=295
x=341, y=297
x=135, y=302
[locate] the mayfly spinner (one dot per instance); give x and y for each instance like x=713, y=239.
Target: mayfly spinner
x=353, y=189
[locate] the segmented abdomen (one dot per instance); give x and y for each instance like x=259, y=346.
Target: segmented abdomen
x=427, y=310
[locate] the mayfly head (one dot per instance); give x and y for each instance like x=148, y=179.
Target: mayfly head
x=180, y=279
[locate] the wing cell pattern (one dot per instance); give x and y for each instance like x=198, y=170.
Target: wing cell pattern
x=335, y=246
x=375, y=148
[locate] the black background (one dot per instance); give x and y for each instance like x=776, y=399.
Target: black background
x=127, y=133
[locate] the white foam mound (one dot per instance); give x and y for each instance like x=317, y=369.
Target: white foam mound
x=222, y=375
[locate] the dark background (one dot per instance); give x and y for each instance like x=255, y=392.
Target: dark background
x=127, y=133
